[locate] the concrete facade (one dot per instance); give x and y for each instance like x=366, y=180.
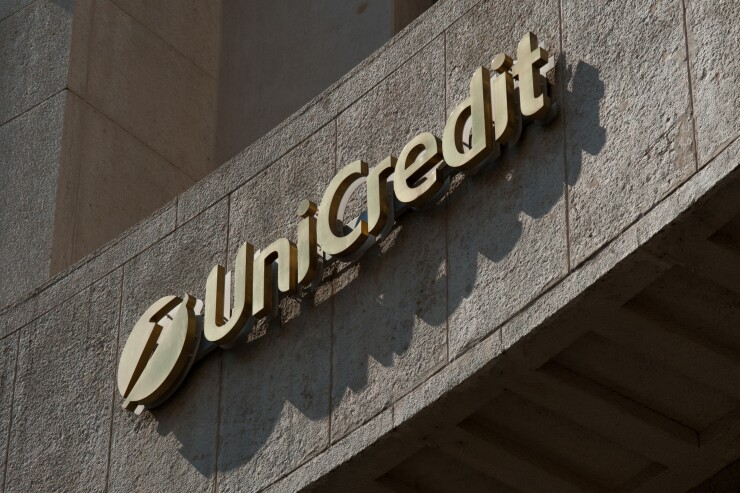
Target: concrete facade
x=521, y=307
x=145, y=89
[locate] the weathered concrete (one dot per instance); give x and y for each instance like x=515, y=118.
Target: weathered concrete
x=10, y=7
x=410, y=101
x=283, y=398
x=320, y=110
x=491, y=254
x=30, y=146
x=716, y=93
x=192, y=28
x=8, y=353
x=456, y=390
x=62, y=399
x=628, y=131
x=33, y=40
x=275, y=396
x=187, y=423
x=405, y=354
x=90, y=269
x=301, y=174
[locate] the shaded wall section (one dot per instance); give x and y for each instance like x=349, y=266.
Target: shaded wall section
x=278, y=55
x=108, y=108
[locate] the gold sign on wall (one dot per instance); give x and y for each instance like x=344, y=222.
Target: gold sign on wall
x=165, y=341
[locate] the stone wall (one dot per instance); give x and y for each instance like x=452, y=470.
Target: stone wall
x=638, y=119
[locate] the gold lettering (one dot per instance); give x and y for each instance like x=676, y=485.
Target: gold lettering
x=530, y=58
x=306, y=243
x=329, y=226
x=504, y=118
x=379, y=202
x=477, y=107
x=154, y=358
x=417, y=177
x=216, y=327
x=284, y=253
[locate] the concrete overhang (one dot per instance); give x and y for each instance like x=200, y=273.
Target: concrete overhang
x=624, y=376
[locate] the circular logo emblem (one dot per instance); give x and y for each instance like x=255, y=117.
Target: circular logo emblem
x=158, y=354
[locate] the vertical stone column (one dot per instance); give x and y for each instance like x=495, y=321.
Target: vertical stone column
x=35, y=39
x=107, y=111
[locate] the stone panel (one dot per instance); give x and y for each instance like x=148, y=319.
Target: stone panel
x=10, y=7
x=715, y=72
x=264, y=208
x=90, y=269
x=151, y=90
x=389, y=317
x=504, y=257
x=79, y=56
x=192, y=28
x=479, y=35
x=275, y=395
x=506, y=225
x=119, y=181
x=29, y=152
x=171, y=447
x=322, y=109
x=34, y=49
x=410, y=101
x=62, y=403
x=627, y=112
x=389, y=321
x=8, y=352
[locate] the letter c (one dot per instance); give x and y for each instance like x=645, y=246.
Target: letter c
x=329, y=227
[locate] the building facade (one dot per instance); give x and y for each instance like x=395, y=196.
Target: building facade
x=558, y=312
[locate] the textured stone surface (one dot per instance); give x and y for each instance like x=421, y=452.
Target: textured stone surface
x=172, y=110
x=322, y=109
x=275, y=397
x=389, y=329
x=80, y=46
x=389, y=321
x=472, y=41
x=90, y=269
x=274, y=411
x=119, y=181
x=384, y=330
x=264, y=209
x=29, y=151
x=172, y=447
x=192, y=28
x=62, y=401
x=10, y=7
x=502, y=258
x=446, y=382
x=722, y=166
x=33, y=41
x=715, y=73
x=629, y=134
x=342, y=451
x=8, y=351
x=410, y=101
